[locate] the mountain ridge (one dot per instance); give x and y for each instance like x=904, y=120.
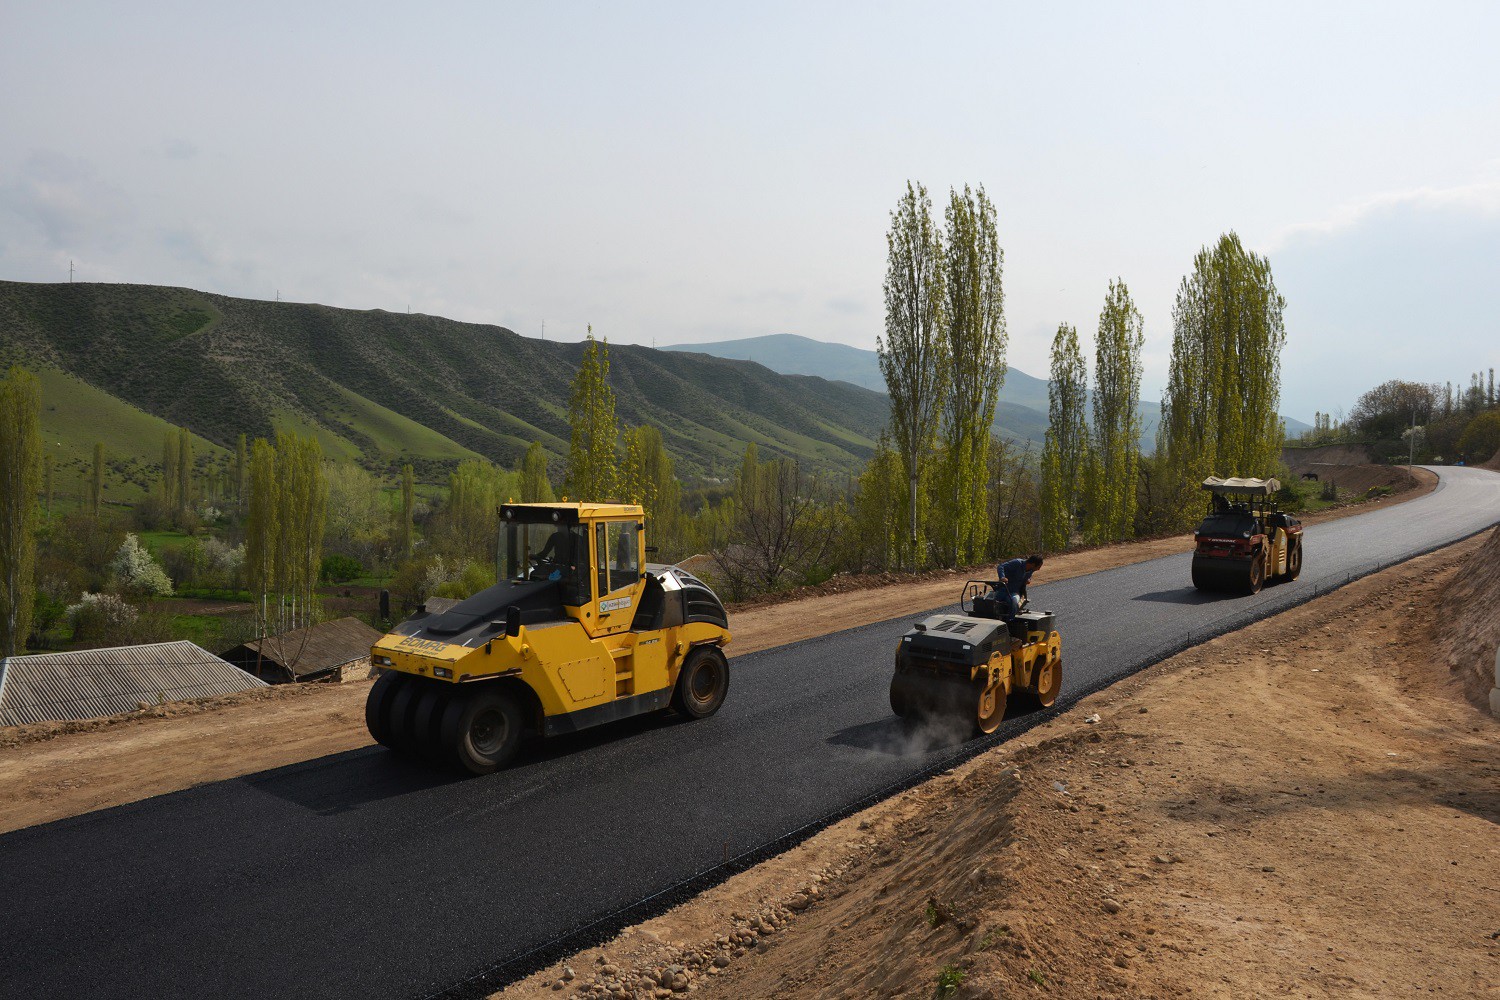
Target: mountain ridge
x=389, y=387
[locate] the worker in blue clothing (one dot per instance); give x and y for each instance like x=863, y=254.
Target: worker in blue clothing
x=1013, y=576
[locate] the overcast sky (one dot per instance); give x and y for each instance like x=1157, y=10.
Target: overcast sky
x=689, y=172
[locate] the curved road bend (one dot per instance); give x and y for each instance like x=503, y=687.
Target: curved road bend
x=361, y=876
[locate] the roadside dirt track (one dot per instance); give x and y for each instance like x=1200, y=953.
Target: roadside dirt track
x=55, y=770
x=1306, y=807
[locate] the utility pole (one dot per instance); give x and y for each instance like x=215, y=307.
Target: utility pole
x=544, y=329
x=70, y=272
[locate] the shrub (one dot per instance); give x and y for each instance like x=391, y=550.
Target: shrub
x=102, y=620
x=1481, y=438
x=340, y=569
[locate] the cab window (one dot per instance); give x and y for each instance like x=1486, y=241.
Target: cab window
x=619, y=555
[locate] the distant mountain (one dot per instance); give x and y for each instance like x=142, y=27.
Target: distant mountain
x=1021, y=413
x=387, y=387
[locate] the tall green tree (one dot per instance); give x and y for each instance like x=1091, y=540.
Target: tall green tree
x=241, y=469
x=591, y=415
x=263, y=532
x=184, y=471
x=358, y=518
x=475, y=491
x=536, y=487
x=976, y=335
x=650, y=479
x=913, y=352
x=1219, y=411
x=288, y=508
x=96, y=484
x=20, y=478
x=1117, y=423
x=169, y=478
x=408, y=505
x=1065, y=453
x=302, y=511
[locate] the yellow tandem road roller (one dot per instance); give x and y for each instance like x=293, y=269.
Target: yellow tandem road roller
x=964, y=668
x=577, y=633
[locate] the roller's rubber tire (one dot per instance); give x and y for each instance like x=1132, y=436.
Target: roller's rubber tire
x=1294, y=562
x=400, y=716
x=702, y=684
x=482, y=729
x=378, y=704
x=427, y=721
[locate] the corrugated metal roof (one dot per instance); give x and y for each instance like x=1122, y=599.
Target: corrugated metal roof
x=88, y=683
x=313, y=649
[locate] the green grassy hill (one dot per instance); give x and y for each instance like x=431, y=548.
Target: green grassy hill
x=386, y=388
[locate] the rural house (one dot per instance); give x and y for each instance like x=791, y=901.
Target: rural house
x=333, y=651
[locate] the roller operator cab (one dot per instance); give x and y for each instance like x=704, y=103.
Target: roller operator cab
x=577, y=633
x=1244, y=542
x=963, y=669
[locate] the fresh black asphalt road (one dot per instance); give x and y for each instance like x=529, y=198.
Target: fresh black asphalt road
x=359, y=875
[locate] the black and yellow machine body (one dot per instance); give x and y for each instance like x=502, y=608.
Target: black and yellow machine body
x=577, y=632
x=1244, y=542
x=964, y=669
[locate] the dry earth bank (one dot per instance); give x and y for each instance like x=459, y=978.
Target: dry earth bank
x=51, y=771
x=1306, y=807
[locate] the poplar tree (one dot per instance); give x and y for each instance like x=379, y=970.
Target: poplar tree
x=913, y=353
x=591, y=414
x=877, y=538
x=184, y=471
x=976, y=335
x=1065, y=452
x=284, y=529
x=535, y=486
x=1117, y=422
x=408, y=502
x=1224, y=382
x=650, y=479
x=262, y=530
x=169, y=456
x=20, y=477
x=96, y=485
x=475, y=491
x=241, y=467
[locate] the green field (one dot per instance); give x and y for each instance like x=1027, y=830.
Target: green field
x=75, y=415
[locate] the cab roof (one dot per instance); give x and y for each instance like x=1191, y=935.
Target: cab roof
x=566, y=512
x=1236, y=486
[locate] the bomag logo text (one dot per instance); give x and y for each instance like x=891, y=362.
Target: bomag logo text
x=421, y=645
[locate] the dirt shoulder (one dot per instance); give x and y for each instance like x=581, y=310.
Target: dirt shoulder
x=55, y=770
x=1249, y=818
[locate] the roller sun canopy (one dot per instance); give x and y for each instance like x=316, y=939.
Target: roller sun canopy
x=1242, y=487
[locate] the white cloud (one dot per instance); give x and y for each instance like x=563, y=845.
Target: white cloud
x=1405, y=285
